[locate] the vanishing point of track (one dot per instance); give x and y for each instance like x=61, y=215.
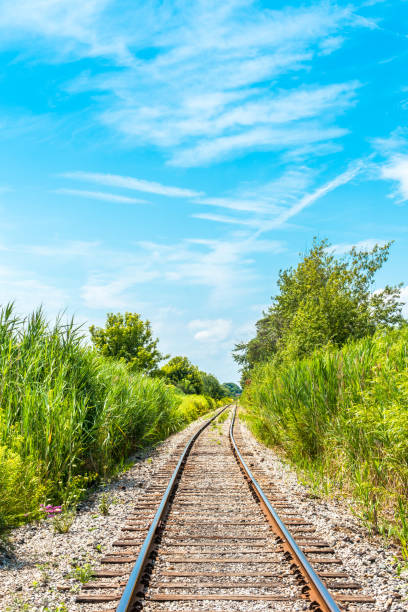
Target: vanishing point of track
x=212, y=535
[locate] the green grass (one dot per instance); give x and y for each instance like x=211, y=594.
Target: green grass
x=69, y=416
x=223, y=416
x=341, y=417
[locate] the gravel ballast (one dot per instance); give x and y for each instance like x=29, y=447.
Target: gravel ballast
x=37, y=574
x=41, y=559
x=369, y=560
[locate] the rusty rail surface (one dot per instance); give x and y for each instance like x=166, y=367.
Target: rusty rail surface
x=317, y=591
x=134, y=580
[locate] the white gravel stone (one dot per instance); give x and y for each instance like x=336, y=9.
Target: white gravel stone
x=42, y=559
x=369, y=560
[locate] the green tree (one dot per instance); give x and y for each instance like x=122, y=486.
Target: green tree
x=323, y=300
x=127, y=337
x=232, y=389
x=212, y=386
x=183, y=374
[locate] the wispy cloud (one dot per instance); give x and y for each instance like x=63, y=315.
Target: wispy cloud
x=238, y=204
x=404, y=300
x=397, y=170
x=256, y=139
x=263, y=200
x=362, y=245
x=226, y=219
x=394, y=165
x=62, y=29
x=28, y=291
x=267, y=215
x=5, y=189
x=100, y=195
x=284, y=188
x=210, y=330
x=103, y=291
x=307, y=200
x=131, y=183
x=200, y=80
x=74, y=248
x=220, y=266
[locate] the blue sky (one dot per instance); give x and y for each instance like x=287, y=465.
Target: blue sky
x=168, y=158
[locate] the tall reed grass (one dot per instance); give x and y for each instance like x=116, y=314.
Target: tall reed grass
x=341, y=416
x=68, y=415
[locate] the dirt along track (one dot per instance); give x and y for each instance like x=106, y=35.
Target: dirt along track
x=214, y=548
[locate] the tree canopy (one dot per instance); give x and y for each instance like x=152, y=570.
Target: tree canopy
x=212, y=386
x=325, y=299
x=183, y=374
x=232, y=389
x=129, y=338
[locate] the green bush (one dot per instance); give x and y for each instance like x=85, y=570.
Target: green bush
x=21, y=490
x=342, y=417
x=69, y=415
x=194, y=406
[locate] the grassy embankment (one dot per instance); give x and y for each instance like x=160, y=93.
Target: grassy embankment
x=341, y=417
x=69, y=416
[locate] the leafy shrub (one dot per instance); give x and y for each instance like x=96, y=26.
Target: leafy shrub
x=194, y=406
x=21, y=490
x=69, y=415
x=342, y=416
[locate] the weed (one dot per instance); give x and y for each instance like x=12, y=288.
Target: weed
x=82, y=573
x=6, y=545
x=43, y=568
x=62, y=522
x=59, y=608
x=104, y=504
x=18, y=605
x=223, y=416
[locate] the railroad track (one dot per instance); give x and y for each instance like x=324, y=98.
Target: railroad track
x=213, y=534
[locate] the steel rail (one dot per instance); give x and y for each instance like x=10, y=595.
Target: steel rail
x=318, y=592
x=126, y=601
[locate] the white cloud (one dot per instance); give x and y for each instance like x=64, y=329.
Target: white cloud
x=104, y=290
x=291, y=203
x=257, y=138
x=307, y=200
x=238, y=204
x=228, y=220
x=295, y=105
x=328, y=45
x=128, y=182
x=265, y=200
x=284, y=189
x=210, y=330
x=397, y=170
x=199, y=79
x=362, y=245
x=404, y=299
x=396, y=142
x=100, y=195
x=74, y=248
x=29, y=292
x=62, y=28
x=223, y=267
